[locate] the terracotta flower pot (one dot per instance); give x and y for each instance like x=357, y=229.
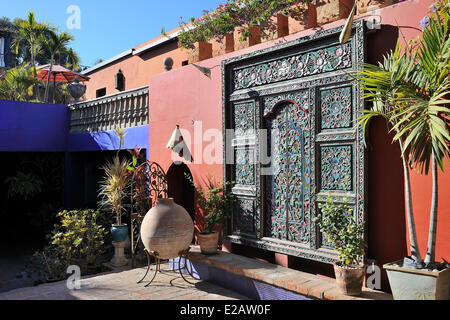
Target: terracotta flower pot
x=167, y=229
x=350, y=278
x=208, y=242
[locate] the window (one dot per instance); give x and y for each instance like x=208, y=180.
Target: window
x=2, y=53
x=101, y=92
x=185, y=63
x=120, y=81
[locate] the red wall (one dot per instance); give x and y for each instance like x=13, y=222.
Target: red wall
x=421, y=191
x=388, y=186
x=185, y=95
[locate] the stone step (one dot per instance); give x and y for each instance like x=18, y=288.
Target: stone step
x=268, y=280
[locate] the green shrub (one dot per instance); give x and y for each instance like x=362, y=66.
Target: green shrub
x=79, y=237
x=78, y=240
x=337, y=224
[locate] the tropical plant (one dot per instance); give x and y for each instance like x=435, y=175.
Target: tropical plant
x=77, y=240
x=337, y=224
x=17, y=84
x=24, y=185
x=214, y=201
x=6, y=25
x=79, y=237
x=55, y=43
x=235, y=13
x=115, y=186
x=410, y=90
x=30, y=33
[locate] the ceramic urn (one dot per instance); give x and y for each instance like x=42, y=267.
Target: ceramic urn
x=167, y=229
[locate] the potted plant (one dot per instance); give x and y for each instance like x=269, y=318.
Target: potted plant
x=216, y=205
x=337, y=224
x=114, y=188
x=410, y=90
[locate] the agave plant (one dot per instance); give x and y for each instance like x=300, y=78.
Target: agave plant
x=410, y=90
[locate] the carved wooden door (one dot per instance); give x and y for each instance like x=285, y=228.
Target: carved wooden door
x=293, y=111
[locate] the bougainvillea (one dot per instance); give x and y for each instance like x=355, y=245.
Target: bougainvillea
x=234, y=13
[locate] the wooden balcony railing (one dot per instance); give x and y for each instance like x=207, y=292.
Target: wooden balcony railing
x=125, y=109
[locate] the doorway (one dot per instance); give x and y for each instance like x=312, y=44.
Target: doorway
x=181, y=188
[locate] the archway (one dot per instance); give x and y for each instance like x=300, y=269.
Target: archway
x=180, y=188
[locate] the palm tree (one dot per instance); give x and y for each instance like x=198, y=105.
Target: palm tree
x=425, y=122
x=17, y=84
x=410, y=91
x=55, y=44
x=382, y=85
x=29, y=32
x=70, y=59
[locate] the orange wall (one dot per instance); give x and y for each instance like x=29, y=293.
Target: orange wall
x=136, y=69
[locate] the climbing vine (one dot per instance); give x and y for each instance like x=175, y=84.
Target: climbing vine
x=234, y=13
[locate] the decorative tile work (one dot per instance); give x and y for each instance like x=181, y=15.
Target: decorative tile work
x=336, y=168
x=333, y=58
x=245, y=167
x=336, y=108
x=244, y=118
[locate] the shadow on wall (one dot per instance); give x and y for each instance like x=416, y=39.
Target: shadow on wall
x=382, y=42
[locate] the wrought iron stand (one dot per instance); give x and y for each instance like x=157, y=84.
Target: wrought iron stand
x=155, y=255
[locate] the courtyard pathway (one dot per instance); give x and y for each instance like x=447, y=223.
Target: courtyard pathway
x=122, y=286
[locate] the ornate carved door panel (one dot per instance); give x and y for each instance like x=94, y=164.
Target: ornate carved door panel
x=286, y=198
x=293, y=109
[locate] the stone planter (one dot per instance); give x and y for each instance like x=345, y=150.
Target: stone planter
x=167, y=229
x=412, y=284
x=208, y=242
x=350, y=278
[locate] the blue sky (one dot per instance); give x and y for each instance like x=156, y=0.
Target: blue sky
x=110, y=27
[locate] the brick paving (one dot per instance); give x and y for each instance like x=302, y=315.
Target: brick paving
x=122, y=286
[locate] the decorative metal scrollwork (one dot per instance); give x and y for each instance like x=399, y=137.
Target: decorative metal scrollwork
x=149, y=182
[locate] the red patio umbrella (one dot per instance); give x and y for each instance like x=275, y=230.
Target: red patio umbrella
x=59, y=74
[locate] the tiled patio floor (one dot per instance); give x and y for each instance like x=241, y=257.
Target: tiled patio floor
x=123, y=286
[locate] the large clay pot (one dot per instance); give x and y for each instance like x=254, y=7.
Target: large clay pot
x=167, y=229
x=349, y=278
